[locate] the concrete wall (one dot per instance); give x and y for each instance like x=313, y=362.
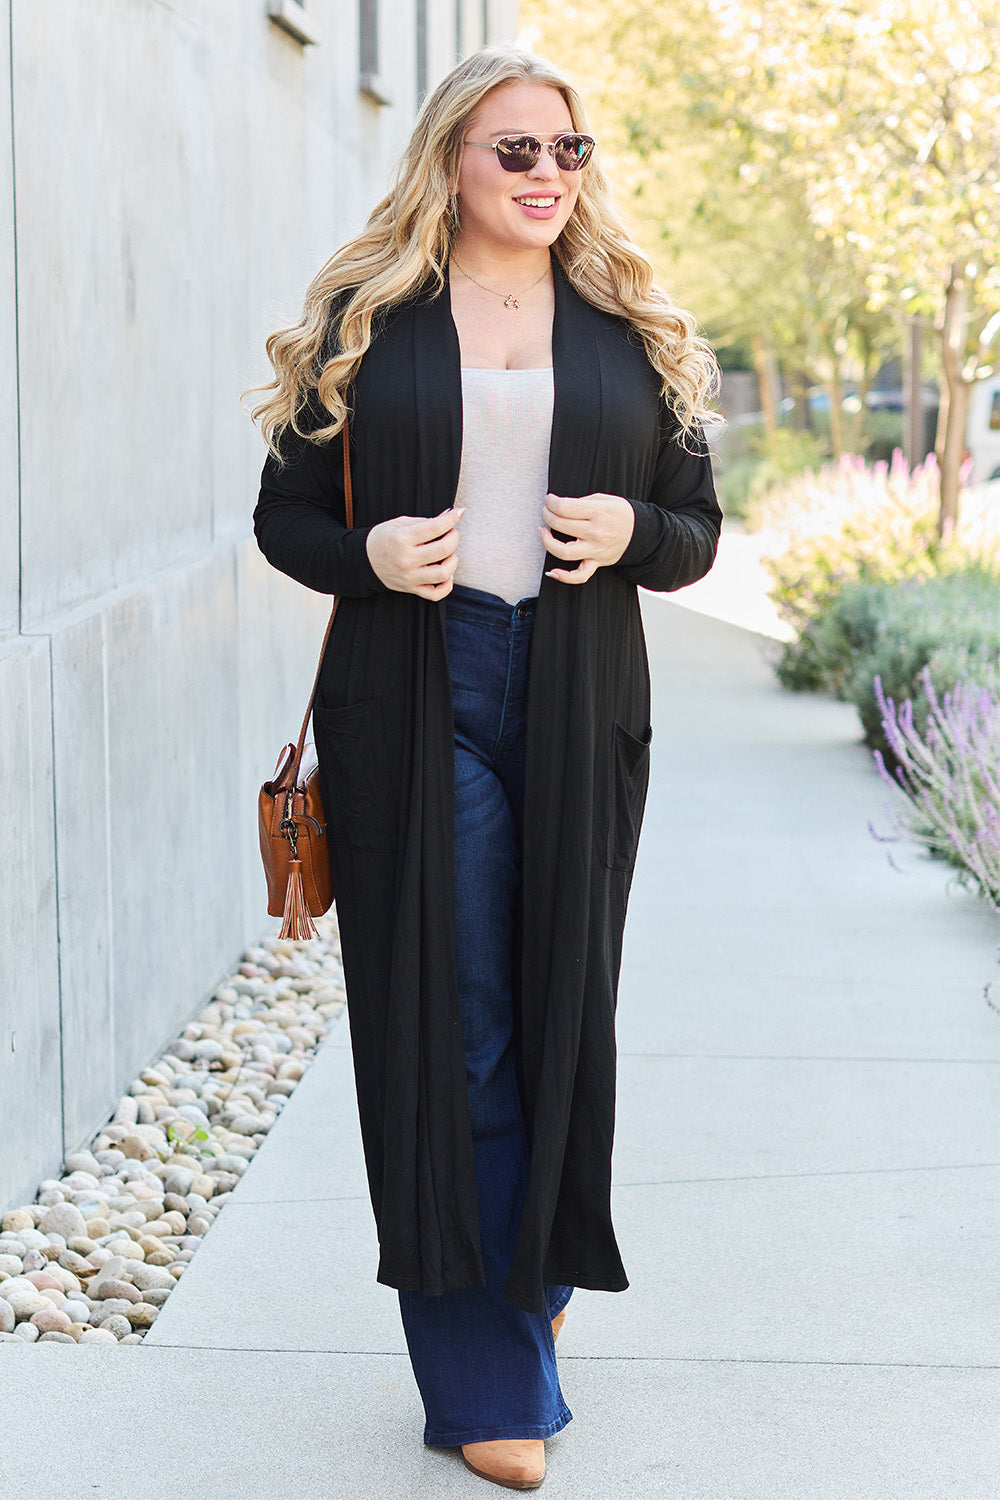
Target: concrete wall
x=175, y=173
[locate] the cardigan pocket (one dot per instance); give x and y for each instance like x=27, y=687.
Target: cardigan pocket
x=350, y=745
x=629, y=782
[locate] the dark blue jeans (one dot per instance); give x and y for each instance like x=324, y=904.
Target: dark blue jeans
x=486, y=1369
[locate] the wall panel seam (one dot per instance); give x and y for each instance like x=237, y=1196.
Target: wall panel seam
x=108, y=853
x=142, y=583
x=55, y=898
x=17, y=319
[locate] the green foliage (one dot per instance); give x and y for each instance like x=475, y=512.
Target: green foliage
x=882, y=434
x=949, y=624
x=846, y=524
x=187, y=1138
x=850, y=525
x=735, y=355
x=802, y=174
x=873, y=436
x=783, y=454
x=731, y=234
x=762, y=463
x=733, y=478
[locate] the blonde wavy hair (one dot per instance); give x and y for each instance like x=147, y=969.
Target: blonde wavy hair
x=406, y=243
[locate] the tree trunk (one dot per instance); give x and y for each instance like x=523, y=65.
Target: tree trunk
x=869, y=369
x=769, y=380
x=954, y=453
x=800, y=393
x=953, y=340
x=835, y=391
x=942, y=425
x=913, y=402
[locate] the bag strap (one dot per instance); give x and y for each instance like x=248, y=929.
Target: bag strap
x=349, y=512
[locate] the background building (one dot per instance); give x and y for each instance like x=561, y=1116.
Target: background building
x=172, y=174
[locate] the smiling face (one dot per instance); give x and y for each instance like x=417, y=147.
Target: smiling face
x=506, y=212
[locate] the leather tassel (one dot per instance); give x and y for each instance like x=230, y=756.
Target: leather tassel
x=297, y=922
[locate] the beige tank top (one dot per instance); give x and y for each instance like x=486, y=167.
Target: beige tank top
x=503, y=480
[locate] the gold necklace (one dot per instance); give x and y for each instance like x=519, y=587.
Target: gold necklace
x=510, y=301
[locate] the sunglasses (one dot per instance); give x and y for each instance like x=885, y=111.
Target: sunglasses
x=519, y=153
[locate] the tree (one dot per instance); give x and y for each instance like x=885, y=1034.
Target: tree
x=880, y=118
x=894, y=107
x=732, y=236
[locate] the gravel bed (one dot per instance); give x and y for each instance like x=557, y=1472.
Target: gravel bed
x=97, y=1254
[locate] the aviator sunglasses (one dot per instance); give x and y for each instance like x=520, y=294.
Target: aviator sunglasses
x=519, y=153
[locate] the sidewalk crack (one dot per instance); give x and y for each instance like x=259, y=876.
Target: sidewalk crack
x=962, y=1166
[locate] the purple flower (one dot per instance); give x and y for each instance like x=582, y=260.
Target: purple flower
x=948, y=777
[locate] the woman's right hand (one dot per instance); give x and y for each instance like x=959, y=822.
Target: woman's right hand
x=416, y=554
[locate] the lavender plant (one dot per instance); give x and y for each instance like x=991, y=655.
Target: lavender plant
x=948, y=776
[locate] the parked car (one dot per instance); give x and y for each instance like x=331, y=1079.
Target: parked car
x=983, y=433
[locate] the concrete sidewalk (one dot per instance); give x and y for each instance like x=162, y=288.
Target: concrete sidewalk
x=807, y=1142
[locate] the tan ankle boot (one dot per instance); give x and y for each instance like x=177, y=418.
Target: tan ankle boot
x=514, y=1463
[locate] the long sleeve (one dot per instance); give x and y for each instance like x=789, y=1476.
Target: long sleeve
x=676, y=532
x=299, y=519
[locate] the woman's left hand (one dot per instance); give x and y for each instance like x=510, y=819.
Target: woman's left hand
x=601, y=528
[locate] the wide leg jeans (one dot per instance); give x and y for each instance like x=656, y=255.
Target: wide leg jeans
x=485, y=1369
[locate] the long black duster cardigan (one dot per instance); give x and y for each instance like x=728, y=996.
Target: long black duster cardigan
x=384, y=736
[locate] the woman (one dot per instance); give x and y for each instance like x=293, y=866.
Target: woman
x=525, y=437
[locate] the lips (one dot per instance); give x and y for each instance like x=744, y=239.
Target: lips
x=538, y=205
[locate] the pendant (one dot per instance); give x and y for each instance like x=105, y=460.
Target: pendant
x=511, y=301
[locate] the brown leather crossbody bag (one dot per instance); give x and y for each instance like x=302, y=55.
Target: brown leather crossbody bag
x=294, y=843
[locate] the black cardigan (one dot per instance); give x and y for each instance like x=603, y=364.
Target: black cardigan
x=384, y=736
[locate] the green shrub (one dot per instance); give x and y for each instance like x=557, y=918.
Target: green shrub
x=850, y=524
x=784, y=453
x=939, y=631
x=733, y=477
x=764, y=462
x=874, y=434
x=882, y=434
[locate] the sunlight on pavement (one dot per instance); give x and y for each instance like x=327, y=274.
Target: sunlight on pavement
x=736, y=589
